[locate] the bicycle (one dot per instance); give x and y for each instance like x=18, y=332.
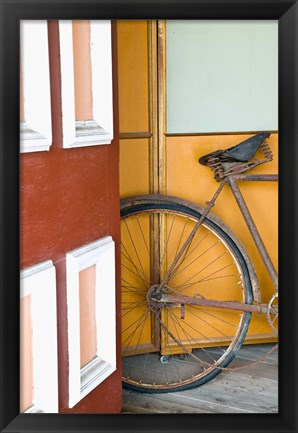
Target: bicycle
x=186, y=277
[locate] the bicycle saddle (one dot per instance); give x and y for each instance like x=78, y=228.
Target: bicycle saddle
x=242, y=152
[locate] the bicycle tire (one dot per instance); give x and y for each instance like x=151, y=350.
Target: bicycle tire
x=164, y=336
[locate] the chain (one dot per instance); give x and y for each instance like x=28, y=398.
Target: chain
x=261, y=358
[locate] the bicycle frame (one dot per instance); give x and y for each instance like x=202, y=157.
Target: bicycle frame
x=232, y=181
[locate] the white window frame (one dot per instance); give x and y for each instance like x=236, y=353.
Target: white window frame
x=39, y=281
x=36, y=130
x=99, y=130
x=100, y=253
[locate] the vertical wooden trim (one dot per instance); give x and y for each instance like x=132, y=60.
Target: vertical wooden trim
x=153, y=108
x=157, y=105
x=161, y=81
x=154, y=162
x=161, y=75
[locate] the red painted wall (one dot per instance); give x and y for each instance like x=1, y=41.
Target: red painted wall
x=70, y=197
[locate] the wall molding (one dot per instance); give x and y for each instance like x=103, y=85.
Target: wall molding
x=88, y=133
x=39, y=281
x=135, y=135
x=99, y=130
x=202, y=134
x=31, y=140
x=36, y=129
x=100, y=253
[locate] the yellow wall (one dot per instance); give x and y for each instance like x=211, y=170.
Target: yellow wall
x=134, y=167
x=133, y=75
x=133, y=106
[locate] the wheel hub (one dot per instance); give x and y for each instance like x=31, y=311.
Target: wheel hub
x=154, y=297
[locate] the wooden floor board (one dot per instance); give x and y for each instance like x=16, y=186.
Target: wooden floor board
x=250, y=390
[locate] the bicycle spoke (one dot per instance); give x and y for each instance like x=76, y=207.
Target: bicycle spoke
x=198, y=244
x=132, y=306
x=129, y=259
x=132, y=324
x=190, y=371
x=208, y=324
x=182, y=233
x=141, y=330
x=147, y=356
x=203, y=269
x=219, y=318
x=166, y=247
x=133, y=288
x=203, y=279
x=193, y=341
x=143, y=237
x=139, y=322
x=135, y=249
x=137, y=275
x=187, y=254
x=193, y=261
x=133, y=292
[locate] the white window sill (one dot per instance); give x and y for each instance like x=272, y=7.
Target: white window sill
x=89, y=133
x=33, y=409
x=95, y=372
x=32, y=141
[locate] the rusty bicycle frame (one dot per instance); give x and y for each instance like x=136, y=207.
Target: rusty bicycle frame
x=230, y=174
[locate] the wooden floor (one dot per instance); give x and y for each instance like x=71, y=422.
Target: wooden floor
x=251, y=390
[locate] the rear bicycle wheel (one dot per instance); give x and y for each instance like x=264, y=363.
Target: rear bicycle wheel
x=177, y=347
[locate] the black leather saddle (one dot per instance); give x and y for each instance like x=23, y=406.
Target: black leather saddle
x=242, y=152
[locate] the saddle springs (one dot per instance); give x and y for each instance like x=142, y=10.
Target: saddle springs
x=223, y=167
